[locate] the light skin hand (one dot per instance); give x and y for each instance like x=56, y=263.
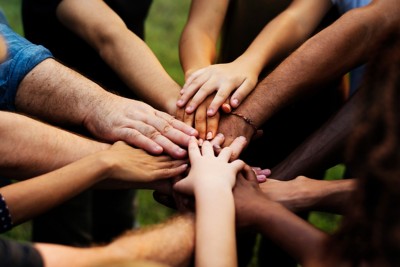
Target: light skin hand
x=206, y=169
x=114, y=118
x=222, y=78
x=136, y=165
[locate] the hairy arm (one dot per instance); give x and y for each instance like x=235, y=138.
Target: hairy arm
x=170, y=243
x=126, y=53
x=58, y=94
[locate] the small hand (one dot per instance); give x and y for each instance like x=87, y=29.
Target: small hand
x=223, y=78
x=115, y=118
x=208, y=170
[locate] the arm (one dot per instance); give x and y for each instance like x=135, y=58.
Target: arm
x=211, y=180
x=34, y=196
x=352, y=36
x=198, y=43
x=277, y=39
x=300, y=239
x=305, y=194
x=169, y=244
x=325, y=147
x=51, y=89
x=123, y=51
x=31, y=148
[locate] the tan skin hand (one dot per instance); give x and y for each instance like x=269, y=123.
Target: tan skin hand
x=136, y=165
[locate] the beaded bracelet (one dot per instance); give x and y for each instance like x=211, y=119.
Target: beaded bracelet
x=5, y=216
x=246, y=119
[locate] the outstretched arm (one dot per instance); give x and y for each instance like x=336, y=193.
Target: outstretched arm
x=170, y=244
x=96, y=23
x=300, y=239
x=121, y=162
x=351, y=38
x=58, y=94
x=211, y=180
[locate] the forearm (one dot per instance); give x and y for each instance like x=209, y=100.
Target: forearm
x=196, y=51
x=215, y=220
x=284, y=33
x=353, y=36
x=296, y=236
x=31, y=148
x=139, y=68
x=29, y=198
x=55, y=93
x=324, y=148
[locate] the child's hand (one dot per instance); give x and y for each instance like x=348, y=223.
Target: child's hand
x=208, y=170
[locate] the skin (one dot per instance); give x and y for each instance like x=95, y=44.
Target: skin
x=107, y=116
x=354, y=36
x=167, y=244
x=120, y=162
x=210, y=180
x=276, y=40
x=254, y=209
x=123, y=51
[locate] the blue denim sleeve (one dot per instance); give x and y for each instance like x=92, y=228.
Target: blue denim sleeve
x=22, y=57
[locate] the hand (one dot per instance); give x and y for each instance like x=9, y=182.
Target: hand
x=208, y=170
x=232, y=126
x=296, y=195
x=246, y=192
x=115, y=118
x=135, y=165
x=205, y=125
x=223, y=78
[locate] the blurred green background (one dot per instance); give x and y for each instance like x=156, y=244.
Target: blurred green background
x=163, y=28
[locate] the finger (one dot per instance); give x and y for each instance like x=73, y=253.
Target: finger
x=176, y=124
x=249, y=174
x=191, y=78
x=168, y=143
x=225, y=154
x=237, y=146
x=257, y=134
x=189, y=120
x=205, y=90
x=194, y=151
x=212, y=126
x=201, y=120
x=191, y=90
x=170, y=172
x=136, y=138
x=261, y=178
x=259, y=171
x=221, y=96
x=226, y=107
x=238, y=165
x=217, y=142
x=180, y=115
x=241, y=93
x=207, y=149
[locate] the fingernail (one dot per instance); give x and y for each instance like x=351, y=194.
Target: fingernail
x=180, y=102
x=243, y=138
x=189, y=109
x=180, y=151
x=209, y=135
x=185, y=166
x=220, y=135
x=217, y=147
x=210, y=111
x=201, y=142
x=235, y=102
x=181, y=91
